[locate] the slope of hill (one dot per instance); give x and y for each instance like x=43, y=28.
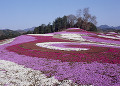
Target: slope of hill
x=20, y=31
x=1, y=32
x=72, y=57
x=7, y=31
x=4, y=34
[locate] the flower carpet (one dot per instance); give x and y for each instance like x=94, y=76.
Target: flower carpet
x=73, y=57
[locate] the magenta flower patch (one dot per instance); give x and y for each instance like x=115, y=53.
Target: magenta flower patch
x=92, y=61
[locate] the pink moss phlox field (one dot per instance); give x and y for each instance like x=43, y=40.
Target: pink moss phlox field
x=80, y=72
x=109, y=55
x=83, y=73
x=98, y=71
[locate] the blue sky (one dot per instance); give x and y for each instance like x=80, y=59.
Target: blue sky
x=22, y=14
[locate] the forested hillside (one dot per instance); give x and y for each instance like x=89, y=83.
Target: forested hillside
x=5, y=34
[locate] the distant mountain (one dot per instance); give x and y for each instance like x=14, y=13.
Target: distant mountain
x=118, y=27
x=8, y=31
x=25, y=30
x=29, y=29
x=20, y=31
x=106, y=27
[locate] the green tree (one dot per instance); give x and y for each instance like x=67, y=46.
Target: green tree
x=64, y=22
x=36, y=30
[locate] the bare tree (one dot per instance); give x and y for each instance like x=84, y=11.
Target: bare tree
x=79, y=18
x=88, y=19
x=93, y=20
x=71, y=20
x=86, y=14
x=79, y=13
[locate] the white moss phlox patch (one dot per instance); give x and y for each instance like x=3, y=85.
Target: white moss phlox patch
x=111, y=37
x=49, y=46
x=12, y=74
x=77, y=37
x=41, y=34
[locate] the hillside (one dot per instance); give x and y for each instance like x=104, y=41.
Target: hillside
x=72, y=57
x=5, y=34
x=1, y=33
x=20, y=31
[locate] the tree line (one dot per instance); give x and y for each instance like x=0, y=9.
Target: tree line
x=6, y=34
x=83, y=19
